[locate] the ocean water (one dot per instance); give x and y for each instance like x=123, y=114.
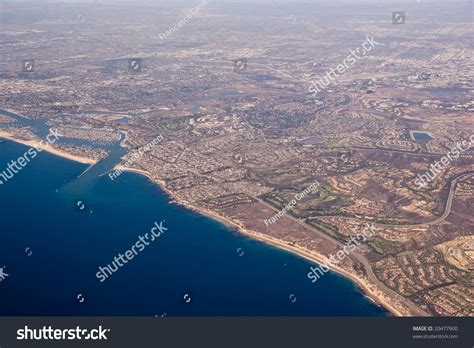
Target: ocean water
x=52, y=251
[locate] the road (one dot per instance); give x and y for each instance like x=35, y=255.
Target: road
x=360, y=258
x=363, y=260
x=447, y=209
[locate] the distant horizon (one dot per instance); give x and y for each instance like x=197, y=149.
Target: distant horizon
x=297, y=124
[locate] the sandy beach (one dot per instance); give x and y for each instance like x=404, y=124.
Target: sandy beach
x=48, y=148
x=311, y=256
x=377, y=297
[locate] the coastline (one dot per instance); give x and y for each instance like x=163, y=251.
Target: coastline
x=47, y=148
x=311, y=256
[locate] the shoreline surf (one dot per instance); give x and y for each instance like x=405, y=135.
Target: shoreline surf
x=310, y=256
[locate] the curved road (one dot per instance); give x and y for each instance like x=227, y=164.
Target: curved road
x=416, y=311
x=447, y=209
x=363, y=260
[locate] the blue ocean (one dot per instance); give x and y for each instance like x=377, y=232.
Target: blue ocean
x=57, y=230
